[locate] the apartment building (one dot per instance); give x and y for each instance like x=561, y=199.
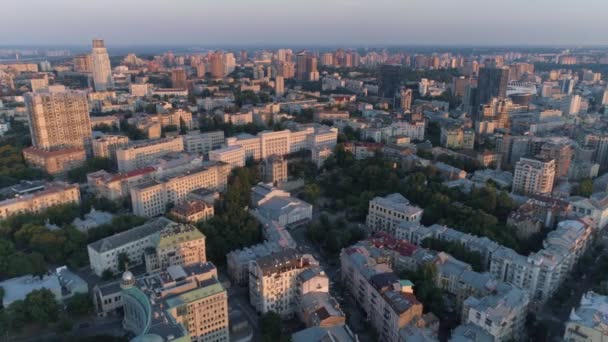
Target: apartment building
x=181, y=303
x=193, y=211
x=238, y=119
x=457, y=138
x=588, y=321
x=276, y=238
x=233, y=155
x=168, y=243
x=196, y=142
x=413, y=130
x=49, y=195
x=387, y=301
x=540, y=274
x=596, y=207
x=386, y=213
x=59, y=119
x=151, y=198
x=106, y=146
x=273, y=281
x=55, y=162
x=138, y=155
x=117, y=186
x=181, y=244
x=534, y=176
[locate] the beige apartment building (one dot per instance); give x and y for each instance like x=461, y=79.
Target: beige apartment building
x=387, y=213
x=117, y=186
x=55, y=162
x=151, y=198
x=140, y=154
x=196, y=142
x=273, y=281
x=534, y=176
x=106, y=146
x=55, y=193
x=193, y=211
x=59, y=119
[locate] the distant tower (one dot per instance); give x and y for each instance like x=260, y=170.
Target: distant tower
x=279, y=85
x=102, y=71
x=405, y=99
x=179, y=78
x=216, y=65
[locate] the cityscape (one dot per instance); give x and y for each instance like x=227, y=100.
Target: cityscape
x=304, y=189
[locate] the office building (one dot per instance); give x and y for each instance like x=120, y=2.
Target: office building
x=534, y=176
x=102, y=71
x=202, y=143
x=389, y=79
x=492, y=82
x=151, y=198
x=46, y=196
x=139, y=154
x=157, y=244
x=562, y=153
x=274, y=170
x=232, y=155
x=59, y=119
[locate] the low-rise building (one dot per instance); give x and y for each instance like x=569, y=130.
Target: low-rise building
x=56, y=162
x=233, y=155
x=45, y=197
x=386, y=213
x=588, y=322
x=196, y=142
x=178, y=304
x=140, y=154
x=288, y=211
x=192, y=211
x=152, y=198
x=596, y=207
x=106, y=146
x=158, y=243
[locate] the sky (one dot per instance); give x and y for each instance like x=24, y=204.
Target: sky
x=305, y=22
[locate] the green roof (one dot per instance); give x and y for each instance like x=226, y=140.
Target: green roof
x=196, y=294
x=405, y=283
x=183, y=235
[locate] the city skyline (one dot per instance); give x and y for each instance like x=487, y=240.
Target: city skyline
x=517, y=22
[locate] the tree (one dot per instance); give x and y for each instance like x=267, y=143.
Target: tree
x=585, y=188
x=80, y=304
x=271, y=326
x=107, y=274
x=123, y=261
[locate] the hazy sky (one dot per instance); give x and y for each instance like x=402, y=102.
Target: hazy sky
x=327, y=22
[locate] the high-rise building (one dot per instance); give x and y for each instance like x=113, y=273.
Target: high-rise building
x=405, y=99
x=179, y=78
x=229, y=63
x=389, y=79
x=562, y=153
x=102, y=70
x=216, y=65
x=279, y=85
x=534, y=176
x=492, y=82
x=327, y=59
x=59, y=119
x=83, y=63
x=306, y=67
